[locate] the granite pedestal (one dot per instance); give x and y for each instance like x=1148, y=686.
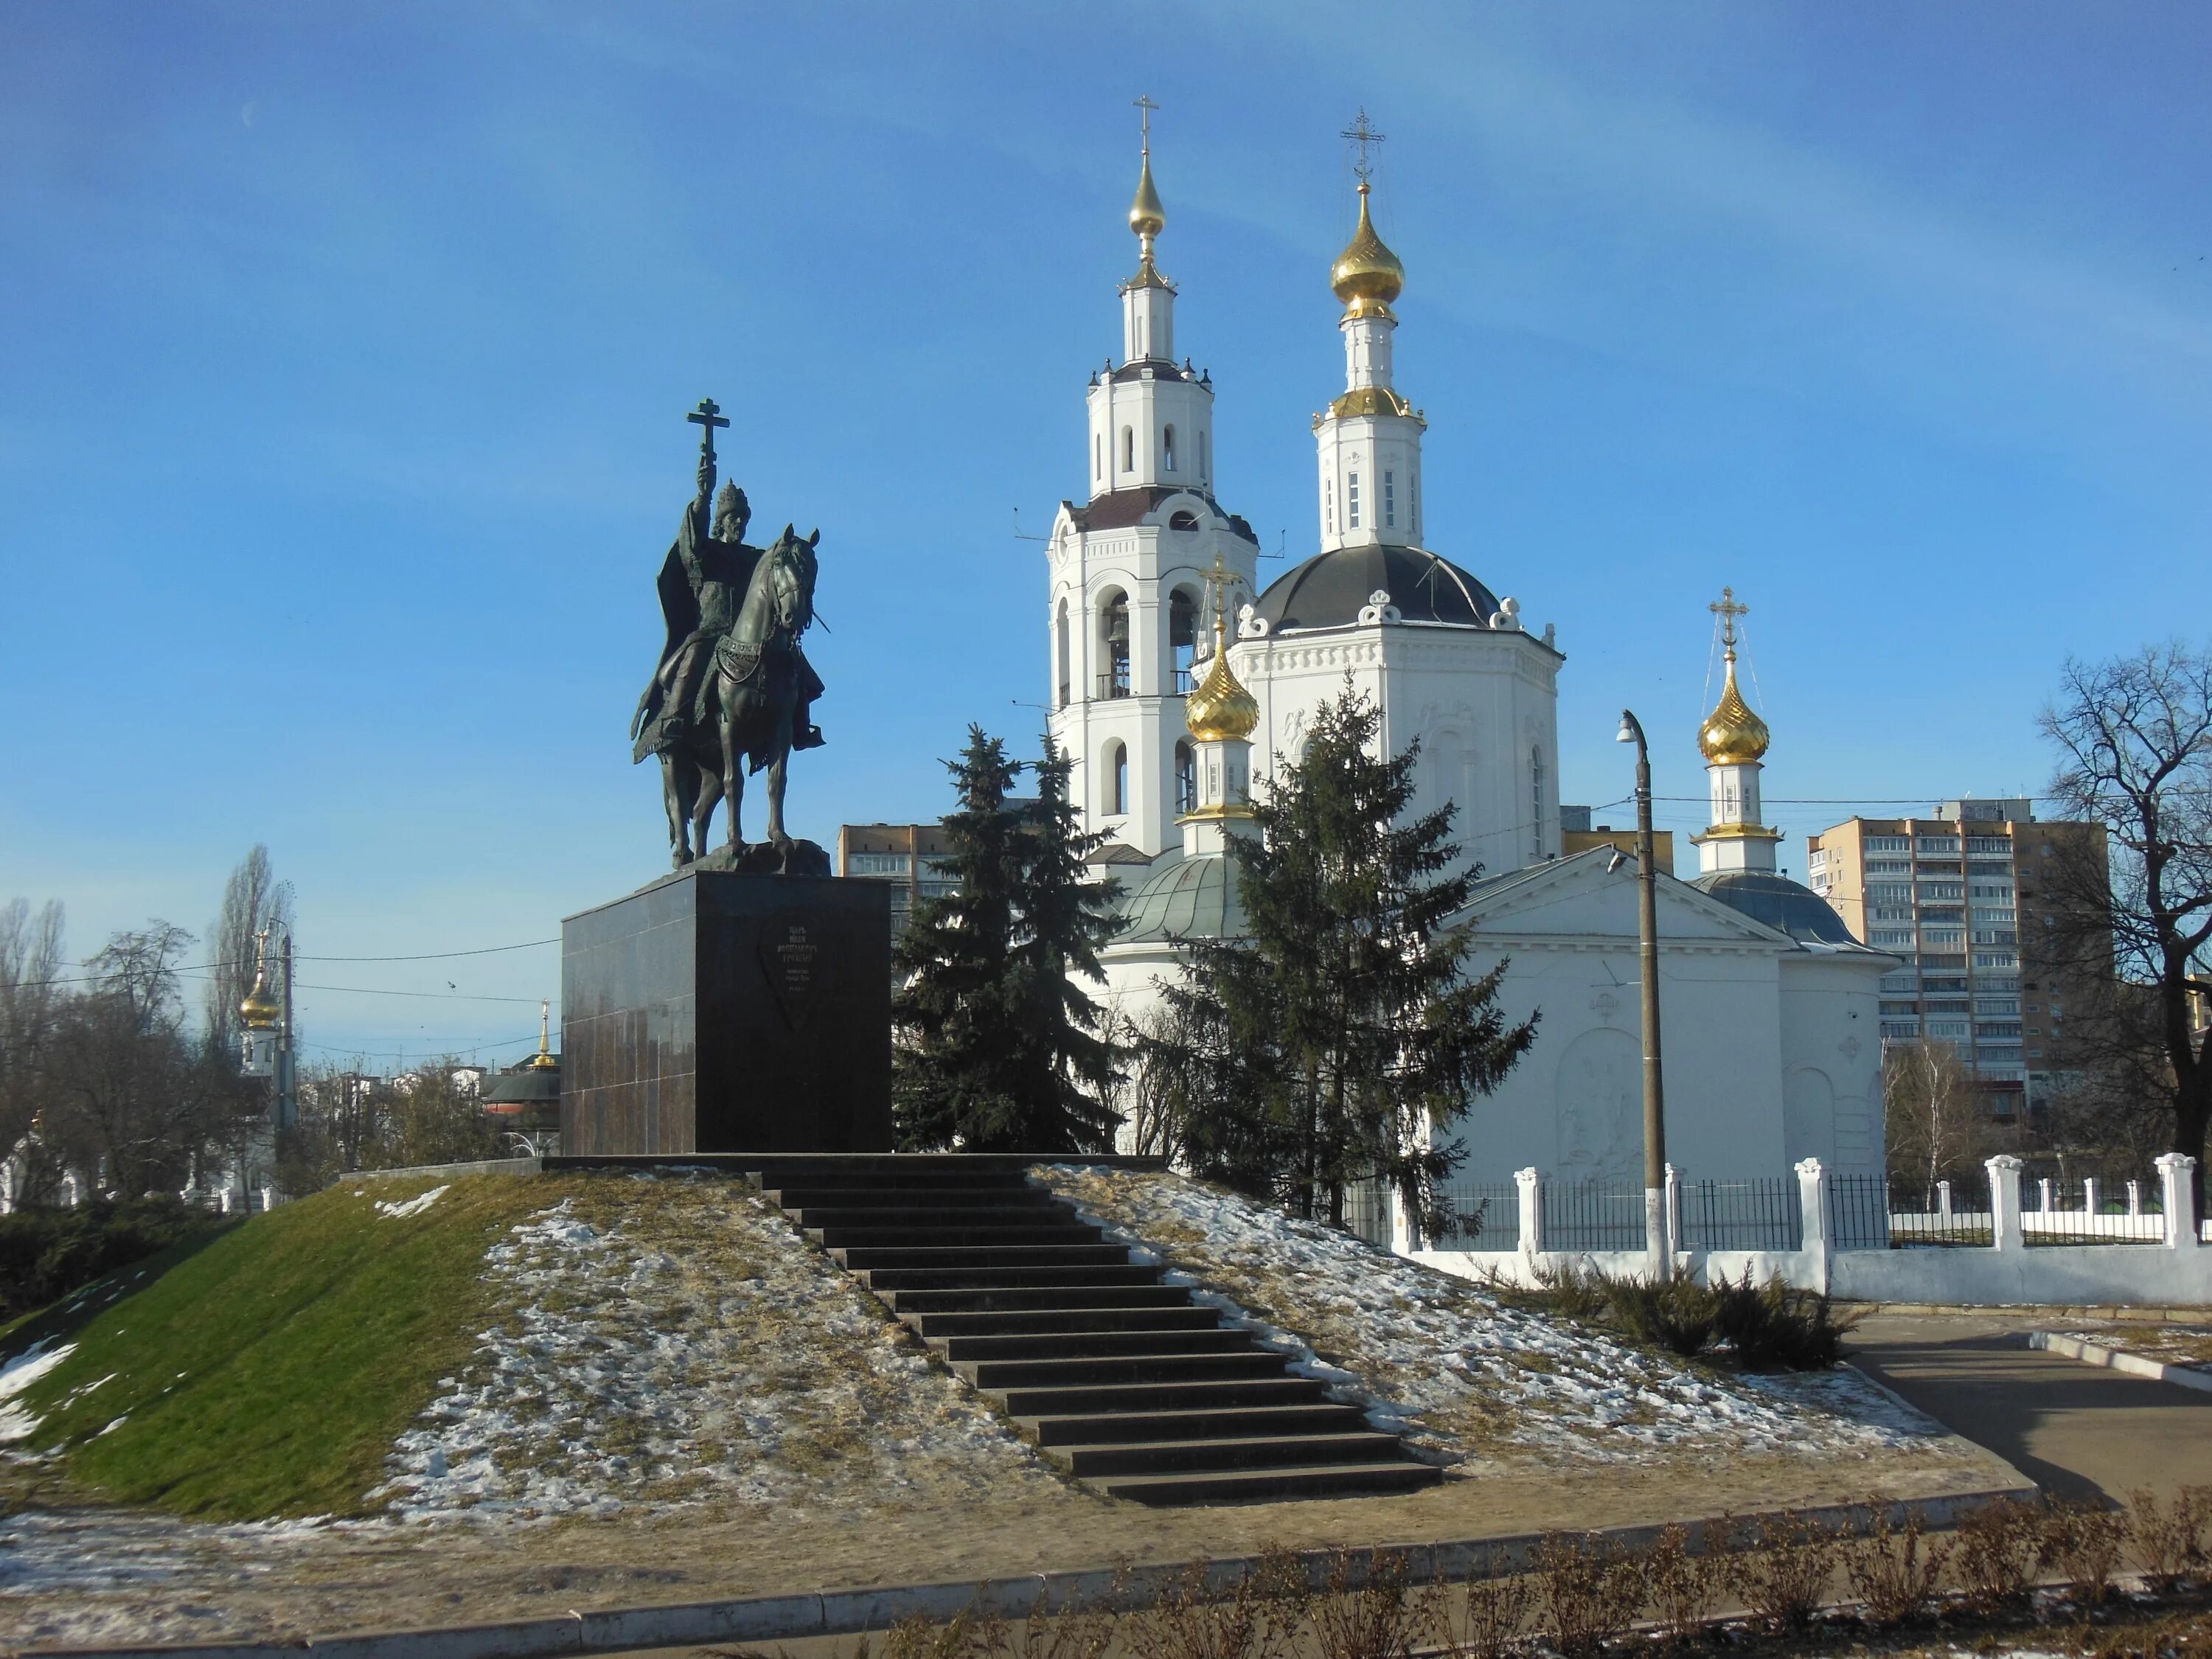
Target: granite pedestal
x=715, y=1012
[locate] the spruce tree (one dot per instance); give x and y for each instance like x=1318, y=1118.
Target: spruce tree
x=1001, y=1049
x=1318, y=1051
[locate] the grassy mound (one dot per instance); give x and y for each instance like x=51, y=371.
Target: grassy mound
x=268, y=1373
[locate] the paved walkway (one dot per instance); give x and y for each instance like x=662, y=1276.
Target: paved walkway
x=2078, y=1430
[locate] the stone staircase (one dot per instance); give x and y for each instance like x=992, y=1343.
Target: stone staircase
x=1121, y=1378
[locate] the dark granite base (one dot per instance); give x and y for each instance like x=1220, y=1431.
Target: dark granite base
x=716, y=1012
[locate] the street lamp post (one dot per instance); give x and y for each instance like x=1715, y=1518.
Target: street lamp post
x=1647, y=930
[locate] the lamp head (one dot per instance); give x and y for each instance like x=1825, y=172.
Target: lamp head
x=1627, y=733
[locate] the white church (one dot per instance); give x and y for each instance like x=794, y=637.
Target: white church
x=1167, y=703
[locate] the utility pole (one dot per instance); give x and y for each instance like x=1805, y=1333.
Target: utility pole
x=288, y=1104
x=1647, y=931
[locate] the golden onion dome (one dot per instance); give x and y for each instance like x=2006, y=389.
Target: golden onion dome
x=1146, y=216
x=259, y=1010
x=1732, y=735
x=1221, y=710
x=1366, y=275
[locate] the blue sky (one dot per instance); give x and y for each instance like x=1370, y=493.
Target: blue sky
x=344, y=352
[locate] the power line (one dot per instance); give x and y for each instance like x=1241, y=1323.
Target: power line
x=427, y=956
x=440, y=956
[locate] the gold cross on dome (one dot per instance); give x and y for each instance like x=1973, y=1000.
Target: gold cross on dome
x=1362, y=134
x=1728, y=610
x=1218, y=581
x=1145, y=104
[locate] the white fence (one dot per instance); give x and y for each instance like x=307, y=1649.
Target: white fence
x=1829, y=1240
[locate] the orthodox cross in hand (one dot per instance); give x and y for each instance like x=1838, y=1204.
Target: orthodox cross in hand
x=709, y=416
x=1363, y=135
x=1728, y=610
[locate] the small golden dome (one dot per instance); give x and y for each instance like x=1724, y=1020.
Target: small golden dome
x=1146, y=216
x=1732, y=735
x=1221, y=710
x=1366, y=275
x=260, y=1011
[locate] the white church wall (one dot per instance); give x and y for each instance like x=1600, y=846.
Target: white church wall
x=1832, y=1053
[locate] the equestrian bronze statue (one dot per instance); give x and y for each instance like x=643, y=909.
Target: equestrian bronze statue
x=734, y=693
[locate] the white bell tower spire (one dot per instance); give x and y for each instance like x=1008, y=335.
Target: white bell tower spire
x=1128, y=565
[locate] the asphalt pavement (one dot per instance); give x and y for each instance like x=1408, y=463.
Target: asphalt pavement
x=2077, y=1429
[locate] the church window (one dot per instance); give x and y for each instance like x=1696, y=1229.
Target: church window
x=1061, y=644
x=1128, y=449
x=1201, y=458
x=1328, y=505
x=1389, y=501
x=1115, y=619
x=1186, y=778
x=1351, y=501
x=1097, y=458
x=1536, y=801
x=1167, y=445
x=1121, y=780
x=1183, y=638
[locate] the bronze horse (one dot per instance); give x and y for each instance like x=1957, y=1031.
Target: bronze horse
x=746, y=707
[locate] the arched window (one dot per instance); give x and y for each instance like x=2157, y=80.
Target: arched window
x=1114, y=634
x=1167, y=445
x=1351, y=501
x=1182, y=637
x=1202, y=473
x=1536, y=800
x=1186, y=778
x=1120, y=768
x=1389, y=501
x=1328, y=505
x=1061, y=655
x=1128, y=450
x=1097, y=457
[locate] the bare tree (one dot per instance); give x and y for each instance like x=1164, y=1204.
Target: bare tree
x=252, y=900
x=2133, y=737
x=1928, y=1122
x=31, y=994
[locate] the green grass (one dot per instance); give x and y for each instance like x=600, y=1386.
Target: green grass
x=267, y=1373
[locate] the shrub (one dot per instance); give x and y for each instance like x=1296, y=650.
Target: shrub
x=1589, y=1591
x=1376, y=1613
x=1892, y=1572
x=1258, y=1620
x=1489, y=1620
x=1675, y=1313
x=1998, y=1548
x=1681, y=1588
x=2085, y=1543
x=44, y=1255
x=1783, y=1576
x=2169, y=1543
x=1771, y=1327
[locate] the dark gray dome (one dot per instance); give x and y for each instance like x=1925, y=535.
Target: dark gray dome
x=1784, y=905
x=1190, y=898
x=1330, y=589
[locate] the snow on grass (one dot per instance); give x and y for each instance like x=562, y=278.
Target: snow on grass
x=18, y=1422
x=679, y=1343
x=1466, y=1378
x=401, y=1209
x=2188, y=1346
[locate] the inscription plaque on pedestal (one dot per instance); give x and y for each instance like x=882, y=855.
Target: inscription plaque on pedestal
x=715, y=1011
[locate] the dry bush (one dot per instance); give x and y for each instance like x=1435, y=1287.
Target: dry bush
x=1681, y=1589
x=1894, y=1572
x=1490, y=1624
x=1259, y=1619
x=1783, y=1576
x=1588, y=1590
x=2085, y=1542
x=1999, y=1545
x=1378, y=1613
x=1081, y=1631
x=2168, y=1544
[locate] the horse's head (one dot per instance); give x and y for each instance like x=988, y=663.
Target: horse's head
x=789, y=566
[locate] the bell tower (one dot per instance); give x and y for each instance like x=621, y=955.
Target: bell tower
x=1127, y=566
x=1734, y=741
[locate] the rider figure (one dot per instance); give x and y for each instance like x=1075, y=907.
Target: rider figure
x=718, y=566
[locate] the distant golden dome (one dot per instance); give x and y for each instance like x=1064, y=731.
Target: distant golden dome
x=1366, y=275
x=260, y=1011
x=1146, y=216
x=1221, y=709
x=1732, y=735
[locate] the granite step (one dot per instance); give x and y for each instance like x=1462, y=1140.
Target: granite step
x=832, y=1239
x=1008, y=1321
x=911, y=1216
x=937, y=1198
x=1002, y=1277
x=1102, y=1428
x=1051, y=1299
x=1063, y=1400
x=1069, y=1345
x=869, y=1257
x=1096, y=1370
x=1270, y=1485
x=1229, y=1452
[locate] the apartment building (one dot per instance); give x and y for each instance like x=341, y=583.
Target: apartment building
x=1578, y=834
x=903, y=854
x=1958, y=893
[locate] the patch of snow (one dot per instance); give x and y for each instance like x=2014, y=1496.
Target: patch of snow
x=115, y=1426
x=1465, y=1376
x=399, y=1210
x=17, y=1422
x=687, y=1347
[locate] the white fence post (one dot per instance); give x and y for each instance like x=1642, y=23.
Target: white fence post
x=2005, y=1233
x=268, y=1199
x=1943, y=1203
x=2174, y=1169
x=1532, y=1212
x=1674, y=1214
x=2089, y=1194
x=1813, y=1205
x=2134, y=1198
x=2043, y=1195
